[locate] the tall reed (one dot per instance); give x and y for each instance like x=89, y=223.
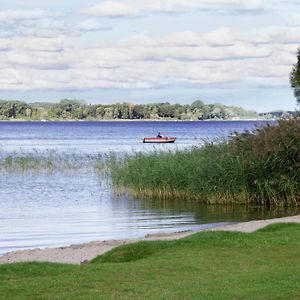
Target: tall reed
x=49, y=161
x=261, y=167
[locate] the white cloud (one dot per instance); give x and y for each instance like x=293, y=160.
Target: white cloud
x=128, y=8
x=21, y=15
x=182, y=5
x=4, y=44
x=253, y=4
x=279, y=34
x=111, y=9
x=37, y=23
x=91, y=25
x=183, y=58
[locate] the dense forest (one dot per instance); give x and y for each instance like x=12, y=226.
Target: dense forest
x=78, y=110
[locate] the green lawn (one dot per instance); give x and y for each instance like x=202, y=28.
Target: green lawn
x=207, y=265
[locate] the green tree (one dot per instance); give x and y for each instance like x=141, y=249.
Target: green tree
x=108, y=112
x=166, y=110
x=90, y=111
x=69, y=109
x=199, y=109
x=124, y=111
x=139, y=112
x=14, y=109
x=295, y=77
x=100, y=111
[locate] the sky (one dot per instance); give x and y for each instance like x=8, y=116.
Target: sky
x=234, y=52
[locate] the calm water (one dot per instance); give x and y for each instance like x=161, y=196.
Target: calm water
x=40, y=209
x=103, y=137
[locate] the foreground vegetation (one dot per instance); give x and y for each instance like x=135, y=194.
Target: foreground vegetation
x=207, y=265
x=257, y=168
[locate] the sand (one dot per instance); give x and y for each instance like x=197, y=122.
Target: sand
x=82, y=253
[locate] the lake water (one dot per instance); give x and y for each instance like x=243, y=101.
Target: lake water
x=104, y=137
x=67, y=206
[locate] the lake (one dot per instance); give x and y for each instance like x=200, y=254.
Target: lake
x=105, y=137
x=66, y=206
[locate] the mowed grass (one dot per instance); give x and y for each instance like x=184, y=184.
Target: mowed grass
x=207, y=265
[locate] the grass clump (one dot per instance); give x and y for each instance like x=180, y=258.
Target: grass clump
x=206, y=265
x=251, y=168
x=50, y=161
x=25, y=163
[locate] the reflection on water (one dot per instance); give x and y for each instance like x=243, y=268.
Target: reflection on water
x=40, y=209
x=203, y=213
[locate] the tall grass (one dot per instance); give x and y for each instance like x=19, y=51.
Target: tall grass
x=261, y=167
x=49, y=161
x=272, y=160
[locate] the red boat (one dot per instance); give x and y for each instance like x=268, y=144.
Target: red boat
x=163, y=139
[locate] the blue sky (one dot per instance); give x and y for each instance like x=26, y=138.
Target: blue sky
x=234, y=52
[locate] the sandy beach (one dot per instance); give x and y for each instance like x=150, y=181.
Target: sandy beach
x=81, y=253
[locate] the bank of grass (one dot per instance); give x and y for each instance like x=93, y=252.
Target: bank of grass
x=251, y=168
x=207, y=265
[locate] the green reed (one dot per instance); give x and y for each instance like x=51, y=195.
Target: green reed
x=262, y=167
x=48, y=161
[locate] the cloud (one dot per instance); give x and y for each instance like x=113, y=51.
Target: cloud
x=91, y=25
x=37, y=23
x=111, y=10
x=182, y=5
x=128, y=8
x=10, y=16
x=252, y=5
x=187, y=59
x=279, y=34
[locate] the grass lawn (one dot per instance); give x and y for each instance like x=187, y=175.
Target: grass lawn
x=207, y=265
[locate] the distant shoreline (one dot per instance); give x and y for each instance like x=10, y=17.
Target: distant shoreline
x=130, y=120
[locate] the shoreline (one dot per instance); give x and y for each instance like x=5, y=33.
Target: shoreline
x=83, y=253
x=131, y=120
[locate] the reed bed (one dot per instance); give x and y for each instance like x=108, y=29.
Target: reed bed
x=261, y=167
x=49, y=161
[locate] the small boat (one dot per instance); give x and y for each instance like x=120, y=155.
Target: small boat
x=163, y=139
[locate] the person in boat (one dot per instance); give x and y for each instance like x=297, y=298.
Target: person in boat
x=159, y=135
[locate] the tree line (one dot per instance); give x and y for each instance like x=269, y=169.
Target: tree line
x=68, y=109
